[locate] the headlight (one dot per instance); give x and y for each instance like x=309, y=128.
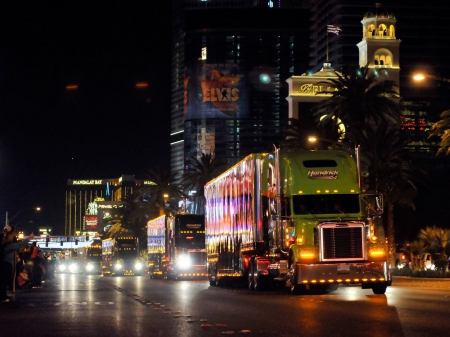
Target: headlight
x=89, y=267
x=73, y=268
x=62, y=267
x=184, y=262
x=138, y=266
x=118, y=266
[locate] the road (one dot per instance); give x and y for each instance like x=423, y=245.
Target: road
x=78, y=305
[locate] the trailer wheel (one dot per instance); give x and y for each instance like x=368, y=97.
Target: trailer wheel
x=379, y=289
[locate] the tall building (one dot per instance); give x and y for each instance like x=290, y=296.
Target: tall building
x=230, y=62
x=424, y=33
x=91, y=202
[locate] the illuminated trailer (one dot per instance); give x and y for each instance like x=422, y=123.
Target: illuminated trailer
x=293, y=217
x=176, y=246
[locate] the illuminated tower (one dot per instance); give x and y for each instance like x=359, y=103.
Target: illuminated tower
x=380, y=48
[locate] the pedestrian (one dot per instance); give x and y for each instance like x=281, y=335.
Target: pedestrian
x=9, y=248
x=37, y=271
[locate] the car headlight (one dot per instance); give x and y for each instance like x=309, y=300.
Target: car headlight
x=138, y=266
x=62, y=267
x=184, y=262
x=73, y=268
x=118, y=266
x=89, y=267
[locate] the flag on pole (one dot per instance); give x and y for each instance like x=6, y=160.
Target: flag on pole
x=333, y=28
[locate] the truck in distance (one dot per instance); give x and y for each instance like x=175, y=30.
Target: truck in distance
x=120, y=256
x=176, y=246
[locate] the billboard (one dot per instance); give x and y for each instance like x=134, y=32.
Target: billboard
x=215, y=90
x=90, y=223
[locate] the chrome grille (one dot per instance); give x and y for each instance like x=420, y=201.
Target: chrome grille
x=342, y=242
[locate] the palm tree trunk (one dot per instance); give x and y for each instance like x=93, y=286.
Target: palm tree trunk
x=391, y=234
x=162, y=210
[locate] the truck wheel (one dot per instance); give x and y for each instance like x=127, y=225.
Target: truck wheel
x=251, y=275
x=258, y=281
x=379, y=289
x=296, y=289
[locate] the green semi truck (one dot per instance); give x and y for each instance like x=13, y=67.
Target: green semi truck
x=295, y=218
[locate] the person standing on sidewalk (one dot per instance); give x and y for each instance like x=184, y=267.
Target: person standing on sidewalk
x=7, y=264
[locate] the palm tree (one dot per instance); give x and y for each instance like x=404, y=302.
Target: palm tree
x=199, y=173
x=164, y=186
x=369, y=110
x=442, y=129
x=386, y=170
x=359, y=99
x=436, y=241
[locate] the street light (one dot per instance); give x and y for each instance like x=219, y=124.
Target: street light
x=333, y=143
x=421, y=77
x=8, y=221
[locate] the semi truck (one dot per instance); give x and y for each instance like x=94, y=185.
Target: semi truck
x=294, y=218
x=120, y=257
x=176, y=246
x=92, y=256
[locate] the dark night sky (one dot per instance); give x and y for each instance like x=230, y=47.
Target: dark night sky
x=104, y=129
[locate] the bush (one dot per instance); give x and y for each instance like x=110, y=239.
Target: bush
x=405, y=271
x=430, y=274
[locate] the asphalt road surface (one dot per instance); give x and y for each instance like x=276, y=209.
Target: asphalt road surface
x=79, y=305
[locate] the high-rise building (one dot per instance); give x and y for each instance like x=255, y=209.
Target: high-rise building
x=230, y=62
x=90, y=203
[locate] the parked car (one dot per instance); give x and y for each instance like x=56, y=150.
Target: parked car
x=402, y=259
x=427, y=260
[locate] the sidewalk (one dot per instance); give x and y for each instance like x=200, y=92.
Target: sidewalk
x=47, y=286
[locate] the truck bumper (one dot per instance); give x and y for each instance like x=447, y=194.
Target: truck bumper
x=365, y=273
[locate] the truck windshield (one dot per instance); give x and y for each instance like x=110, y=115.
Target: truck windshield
x=197, y=257
x=326, y=204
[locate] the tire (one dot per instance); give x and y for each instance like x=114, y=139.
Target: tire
x=251, y=276
x=258, y=281
x=379, y=289
x=296, y=289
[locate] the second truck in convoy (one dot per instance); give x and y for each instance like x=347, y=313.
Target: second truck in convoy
x=176, y=246
x=294, y=216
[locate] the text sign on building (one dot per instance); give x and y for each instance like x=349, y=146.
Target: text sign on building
x=87, y=182
x=90, y=223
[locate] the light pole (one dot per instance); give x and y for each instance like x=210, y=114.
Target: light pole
x=8, y=221
x=162, y=210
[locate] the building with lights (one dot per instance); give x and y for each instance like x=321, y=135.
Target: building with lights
x=230, y=61
x=424, y=34
x=89, y=203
